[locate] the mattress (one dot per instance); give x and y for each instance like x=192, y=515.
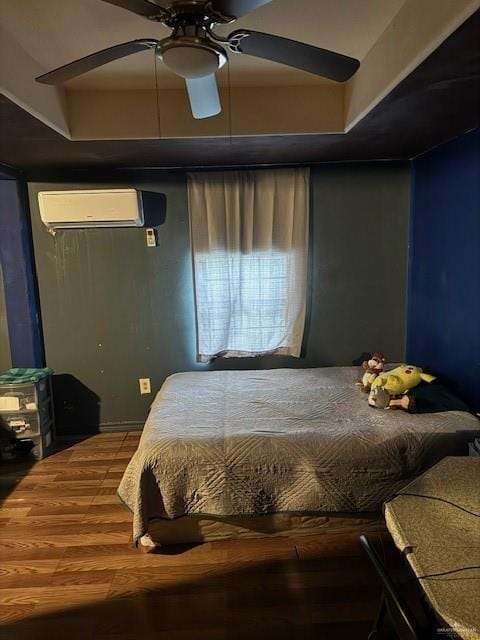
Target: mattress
x=283, y=440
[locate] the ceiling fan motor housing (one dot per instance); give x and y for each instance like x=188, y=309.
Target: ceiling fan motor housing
x=191, y=56
x=190, y=51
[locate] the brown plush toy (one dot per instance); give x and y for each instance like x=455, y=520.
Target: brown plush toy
x=373, y=367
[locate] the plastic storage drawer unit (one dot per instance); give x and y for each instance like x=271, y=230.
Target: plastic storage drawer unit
x=26, y=419
x=20, y=449
x=22, y=425
x=23, y=397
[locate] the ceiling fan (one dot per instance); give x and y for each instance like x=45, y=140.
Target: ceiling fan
x=195, y=52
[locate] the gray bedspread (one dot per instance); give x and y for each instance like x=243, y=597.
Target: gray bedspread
x=239, y=442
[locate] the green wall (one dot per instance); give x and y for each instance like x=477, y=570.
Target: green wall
x=5, y=361
x=114, y=310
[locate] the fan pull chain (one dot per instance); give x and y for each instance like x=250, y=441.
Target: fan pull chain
x=157, y=99
x=229, y=102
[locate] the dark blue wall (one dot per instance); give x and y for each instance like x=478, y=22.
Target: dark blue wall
x=5, y=359
x=19, y=281
x=443, y=323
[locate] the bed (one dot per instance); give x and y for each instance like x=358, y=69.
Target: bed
x=264, y=452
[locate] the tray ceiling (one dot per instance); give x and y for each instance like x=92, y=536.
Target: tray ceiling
x=75, y=28
x=436, y=102
x=134, y=98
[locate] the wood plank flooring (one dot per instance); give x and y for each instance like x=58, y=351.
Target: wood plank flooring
x=68, y=569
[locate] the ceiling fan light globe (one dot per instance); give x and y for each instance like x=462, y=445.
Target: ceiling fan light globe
x=190, y=61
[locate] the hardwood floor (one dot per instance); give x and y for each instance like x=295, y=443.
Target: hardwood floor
x=68, y=569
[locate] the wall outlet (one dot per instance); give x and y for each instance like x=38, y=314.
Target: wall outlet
x=151, y=237
x=144, y=384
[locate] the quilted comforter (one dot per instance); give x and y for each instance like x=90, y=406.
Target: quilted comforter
x=242, y=442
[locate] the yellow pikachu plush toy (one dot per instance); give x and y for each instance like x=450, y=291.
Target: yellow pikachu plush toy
x=394, y=383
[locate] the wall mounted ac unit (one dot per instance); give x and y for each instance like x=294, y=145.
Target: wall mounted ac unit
x=91, y=208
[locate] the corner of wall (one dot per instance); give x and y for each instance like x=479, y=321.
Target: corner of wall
x=410, y=250
x=20, y=285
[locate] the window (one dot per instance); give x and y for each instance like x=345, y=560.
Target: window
x=249, y=264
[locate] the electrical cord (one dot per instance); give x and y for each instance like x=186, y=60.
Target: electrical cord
x=445, y=573
x=457, y=506
x=421, y=495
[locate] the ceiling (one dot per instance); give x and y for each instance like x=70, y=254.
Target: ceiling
x=137, y=98
x=75, y=28
x=439, y=100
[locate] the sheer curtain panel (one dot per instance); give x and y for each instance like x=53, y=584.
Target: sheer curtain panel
x=249, y=233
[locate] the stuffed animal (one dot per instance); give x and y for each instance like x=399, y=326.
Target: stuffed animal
x=373, y=367
x=395, y=383
x=428, y=398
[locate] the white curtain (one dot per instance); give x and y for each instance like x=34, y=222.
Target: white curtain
x=249, y=232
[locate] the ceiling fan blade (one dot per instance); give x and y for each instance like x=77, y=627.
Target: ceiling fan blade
x=321, y=62
x=237, y=8
x=203, y=96
x=94, y=60
x=141, y=7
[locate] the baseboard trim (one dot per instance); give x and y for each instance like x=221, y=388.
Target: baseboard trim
x=110, y=427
